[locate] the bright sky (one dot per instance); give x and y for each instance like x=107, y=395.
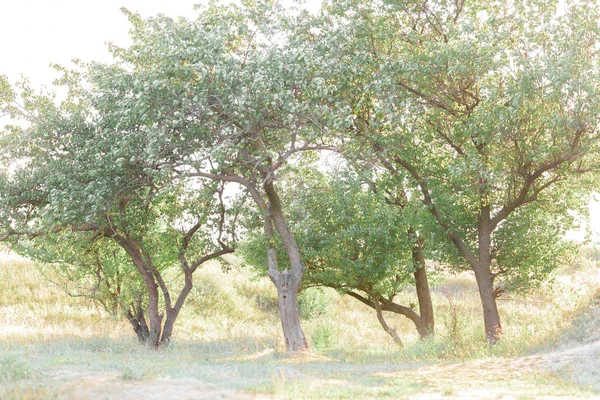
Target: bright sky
x=37, y=33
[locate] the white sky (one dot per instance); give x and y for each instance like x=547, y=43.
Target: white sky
x=37, y=33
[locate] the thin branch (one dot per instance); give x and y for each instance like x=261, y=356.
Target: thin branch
x=230, y=178
x=216, y=254
x=428, y=202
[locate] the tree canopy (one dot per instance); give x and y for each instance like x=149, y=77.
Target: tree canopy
x=480, y=109
x=478, y=122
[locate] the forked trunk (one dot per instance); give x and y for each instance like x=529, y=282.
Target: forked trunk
x=287, y=286
x=483, y=275
x=138, y=322
x=154, y=317
x=173, y=312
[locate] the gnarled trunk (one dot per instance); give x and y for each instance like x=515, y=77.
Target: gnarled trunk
x=287, y=286
x=138, y=322
x=286, y=282
x=154, y=317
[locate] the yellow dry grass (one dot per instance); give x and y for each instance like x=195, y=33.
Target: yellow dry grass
x=228, y=344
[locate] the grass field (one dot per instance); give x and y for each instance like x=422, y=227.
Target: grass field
x=227, y=344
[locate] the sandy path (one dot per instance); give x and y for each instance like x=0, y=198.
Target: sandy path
x=94, y=385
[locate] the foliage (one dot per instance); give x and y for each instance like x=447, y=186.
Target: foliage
x=477, y=108
x=351, y=239
x=528, y=246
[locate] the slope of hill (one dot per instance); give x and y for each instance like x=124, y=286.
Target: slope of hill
x=228, y=344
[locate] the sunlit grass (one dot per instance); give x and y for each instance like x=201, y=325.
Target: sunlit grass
x=229, y=335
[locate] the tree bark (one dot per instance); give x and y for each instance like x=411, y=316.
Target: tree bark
x=426, y=326
x=483, y=275
x=138, y=259
x=390, y=306
x=390, y=331
x=286, y=282
x=287, y=292
x=154, y=316
x=138, y=322
x=173, y=312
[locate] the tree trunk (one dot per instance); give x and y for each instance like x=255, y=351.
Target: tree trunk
x=173, y=312
x=426, y=327
x=483, y=275
x=168, y=327
x=154, y=317
x=287, y=286
x=390, y=331
x=287, y=293
x=286, y=282
x=389, y=305
x=138, y=321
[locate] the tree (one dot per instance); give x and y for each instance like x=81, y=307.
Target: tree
x=355, y=241
x=259, y=101
x=224, y=97
x=80, y=185
x=480, y=109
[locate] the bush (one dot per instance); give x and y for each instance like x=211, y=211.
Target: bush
x=13, y=369
x=313, y=302
x=323, y=337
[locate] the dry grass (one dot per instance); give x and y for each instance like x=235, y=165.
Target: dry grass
x=228, y=343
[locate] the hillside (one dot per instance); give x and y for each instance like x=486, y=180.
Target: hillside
x=228, y=344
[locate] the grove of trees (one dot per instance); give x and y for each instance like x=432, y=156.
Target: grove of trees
x=466, y=136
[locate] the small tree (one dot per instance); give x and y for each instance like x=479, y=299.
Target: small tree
x=79, y=181
x=355, y=241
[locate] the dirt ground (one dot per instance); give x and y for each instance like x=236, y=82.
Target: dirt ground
x=485, y=379
x=94, y=385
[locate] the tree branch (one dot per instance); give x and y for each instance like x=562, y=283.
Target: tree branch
x=428, y=202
